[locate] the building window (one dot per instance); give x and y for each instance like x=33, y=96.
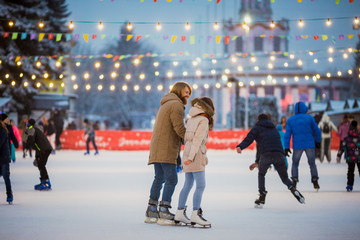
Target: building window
x=277, y=41
x=258, y=44
x=239, y=44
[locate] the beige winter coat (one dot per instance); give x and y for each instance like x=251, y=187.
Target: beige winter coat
x=168, y=131
x=196, y=137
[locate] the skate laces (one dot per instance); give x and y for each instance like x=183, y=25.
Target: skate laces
x=200, y=211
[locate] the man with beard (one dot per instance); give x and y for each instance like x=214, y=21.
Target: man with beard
x=165, y=142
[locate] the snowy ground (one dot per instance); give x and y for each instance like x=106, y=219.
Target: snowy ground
x=105, y=197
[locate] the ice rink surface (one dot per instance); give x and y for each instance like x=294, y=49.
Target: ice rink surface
x=105, y=197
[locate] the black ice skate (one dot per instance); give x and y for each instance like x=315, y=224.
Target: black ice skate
x=166, y=218
x=295, y=181
x=152, y=214
x=297, y=195
x=316, y=184
x=197, y=218
x=259, y=203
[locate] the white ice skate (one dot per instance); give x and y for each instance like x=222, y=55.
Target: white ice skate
x=181, y=219
x=197, y=218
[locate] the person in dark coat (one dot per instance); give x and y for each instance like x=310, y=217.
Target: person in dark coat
x=271, y=152
x=5, y=160
x=302, y=127
x=59, y=127
x=6, y=121
x=351, y=146
x=38, y=141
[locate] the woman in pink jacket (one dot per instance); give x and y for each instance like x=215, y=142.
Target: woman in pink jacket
x=195, y=159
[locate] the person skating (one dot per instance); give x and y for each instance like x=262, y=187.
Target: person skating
x=271, y=152
x=351, y=146
x=326, y=126
x=343, y=130
x=38, y=141
x=90, y=137
x=5, y=160
x=165, y=142
x=11, y=136
x=195, y=159
x=302, y=127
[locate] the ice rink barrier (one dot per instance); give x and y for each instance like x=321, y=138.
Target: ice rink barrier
x=140, y=140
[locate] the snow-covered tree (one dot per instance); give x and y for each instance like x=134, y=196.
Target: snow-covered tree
x=26, y=15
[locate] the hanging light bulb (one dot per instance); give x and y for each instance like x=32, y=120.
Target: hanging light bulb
x=216, y=26
x=331, y=49
x=58, y=64
x=75, y=86
x=156, y=64
x=356, y=20
x=128, y=76
x=129, y=26
x=71, y=25
x=136, y=61
x=187, y=26
x=345, y=55
x=328, y=22
x=100, y=87
x=97, y=65
x=112, y=87
x=158, y=26
x=124, y=88
x=11, y=23
x=87, y=87
x=100, y=26
x=33, y=77
x=113, y=74
x=301, y=23
x=46, y=75
x=160, y=87
x=148, y=87
x=117, y=65
x=272, y=24
x=245, y=26
x=41, y=24
x=38, y=64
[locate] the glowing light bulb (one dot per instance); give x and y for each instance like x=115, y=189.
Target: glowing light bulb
x=11, y=24
x=87, y=87
x=113, y=74
x=100, y=87
x=128, y=76
x=160, y=87
x=41, y=24
x=158, y=26
x=148, y=88
x=112, y=87
x=71, y=25
x=356, y=20
x=272, y=24
x=216, y=26
x=301, y=23
x=58, y=64
x=124, y=88
x=75, y=86
x=46, y=75
x=142, y=76
x=100, y=26
x=136, y=88
x=101, y=77
x=187, y=26
x=129, y=26
x=117, y=65
x=86, y=75
x=97, y=65
x=328, y=22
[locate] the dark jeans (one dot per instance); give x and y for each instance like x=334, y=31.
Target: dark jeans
x=350, y=173
x=278, y=159
x=88, y=140
x=57, y=137
x=42, y=158
x=5, y=171
x=164, y=173
x=26, y=148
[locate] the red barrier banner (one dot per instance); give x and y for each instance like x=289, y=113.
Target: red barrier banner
x=140, y=140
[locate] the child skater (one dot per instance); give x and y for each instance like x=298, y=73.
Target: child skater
x=271, y=152
x=38, y=141
x=351, y=146
x=5, y=160
x=195, y=159
x=90, y=136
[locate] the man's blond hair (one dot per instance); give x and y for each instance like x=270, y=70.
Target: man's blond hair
x=178, y=87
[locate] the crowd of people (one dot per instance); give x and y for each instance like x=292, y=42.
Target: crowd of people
x=308, y=134
x=273, y=146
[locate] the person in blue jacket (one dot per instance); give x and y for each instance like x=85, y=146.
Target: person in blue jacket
x=302, y=127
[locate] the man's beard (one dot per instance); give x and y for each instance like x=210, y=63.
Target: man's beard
x=184, y=100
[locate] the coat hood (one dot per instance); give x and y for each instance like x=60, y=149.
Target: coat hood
x=203, y=105
x=196, y=110
x=265, y=123
x=300, y=107
x=325, y=118
x=279, y=127
x=170, y=97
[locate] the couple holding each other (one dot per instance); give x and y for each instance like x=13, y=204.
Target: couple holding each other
x=165, y=143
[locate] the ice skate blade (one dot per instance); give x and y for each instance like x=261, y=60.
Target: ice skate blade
x=151, y=220
x=194, y=225
x=260, y=206
x=181, y=224
x=165, y=222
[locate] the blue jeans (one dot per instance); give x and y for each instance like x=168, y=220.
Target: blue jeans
x=88, y=140
x=5, y=171
x=164, y=173
x=199, y=177
x=310, y=153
